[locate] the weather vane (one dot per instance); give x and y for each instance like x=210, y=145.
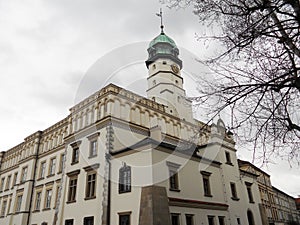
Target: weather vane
x=160, y=14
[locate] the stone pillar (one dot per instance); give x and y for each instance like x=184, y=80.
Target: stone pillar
x=154, y=206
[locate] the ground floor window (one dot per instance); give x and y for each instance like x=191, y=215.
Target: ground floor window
x=124, y=218
x=175, y=219
x=69, y=222
x=88, y=220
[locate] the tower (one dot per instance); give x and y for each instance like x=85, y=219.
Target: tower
x=165, y=82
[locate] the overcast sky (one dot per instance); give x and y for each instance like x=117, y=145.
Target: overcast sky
x=48, y=48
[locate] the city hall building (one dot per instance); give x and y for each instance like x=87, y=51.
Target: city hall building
x=120, y=158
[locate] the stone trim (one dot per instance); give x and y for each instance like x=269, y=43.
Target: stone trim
x=189, y=203
x=92, y=167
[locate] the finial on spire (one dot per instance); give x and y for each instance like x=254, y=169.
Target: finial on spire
x=160, y=14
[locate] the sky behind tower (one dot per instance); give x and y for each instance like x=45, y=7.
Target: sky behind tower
x=47, y=48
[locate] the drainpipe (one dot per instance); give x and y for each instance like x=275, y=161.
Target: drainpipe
x=39, y=135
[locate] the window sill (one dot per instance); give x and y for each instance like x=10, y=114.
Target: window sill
x=123, y=192
x=229, y=163
x=89, y=198
x=176, y=190
x=235, y=198
x=70, y=202
x=252, y=202
x=41, y=178
x=92, y=156
x=73, y=163
x=208, y=195
x=35, y=211
x=46, y=209
x=50, y=175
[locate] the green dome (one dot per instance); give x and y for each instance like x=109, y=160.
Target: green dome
x=163, y=47
x=162, y=38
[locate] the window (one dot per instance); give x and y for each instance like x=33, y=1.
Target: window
x=38, y=197
x=3, y=208
x=42, y=170
x=15, y=179
x=124, y=219
x=93, y=148
x=72, y=189
x=88, y=220
x=69, y=222
x=48, y=198
x=8, y=182
x=52, y=166
x=56, y=196
x=90, y=185
x=221, y=220
x=211, y=220
x=238, y=220
x=173, y=176
x=249, y=191
x=233, y=191
x=175, y=219
x=189, y=219
x=93, y=144
x=125, y=179
x=228, y=158
x=75, y=153
x=18, y=203
x=206, y=183
x=61, y=162
x=2, y=184
x=24, y=174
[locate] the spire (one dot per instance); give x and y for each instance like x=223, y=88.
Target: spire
x=160, y=14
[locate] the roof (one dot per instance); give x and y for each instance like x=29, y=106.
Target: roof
x=162, y=38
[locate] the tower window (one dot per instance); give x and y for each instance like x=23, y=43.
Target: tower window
x=176, y=81
x=154, y=82
x=164, y=62
x=154, y=66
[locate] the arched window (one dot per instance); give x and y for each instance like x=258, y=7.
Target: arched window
x=125, y=179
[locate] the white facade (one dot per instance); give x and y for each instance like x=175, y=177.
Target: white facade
x=172, y=173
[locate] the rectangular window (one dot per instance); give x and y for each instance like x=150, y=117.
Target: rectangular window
x=62, y=162
x=52, y=166
x=233, y=191
x=69, y=222
x=72, y=189
x=93, y=148
x=175, y=219
x=249, y=192
x=211, y=220
x=75, y=152
x=2, y=183
x=24, y=174
x=238, y=220
x=3, y=208
x=15, y=179
x=173, y=176
x=189, y=219
x=206, y=183
x=18, y=203
x=221, y=220
x=8, y=182
x=173, y=180
x=124, y=219
x=75, y=155
x=125, y=179
x=42, y=170
x=90, y=185
x=56, y=196
x=228, y=158
x=38, y=197
x=48, y=199
x=88, y=220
